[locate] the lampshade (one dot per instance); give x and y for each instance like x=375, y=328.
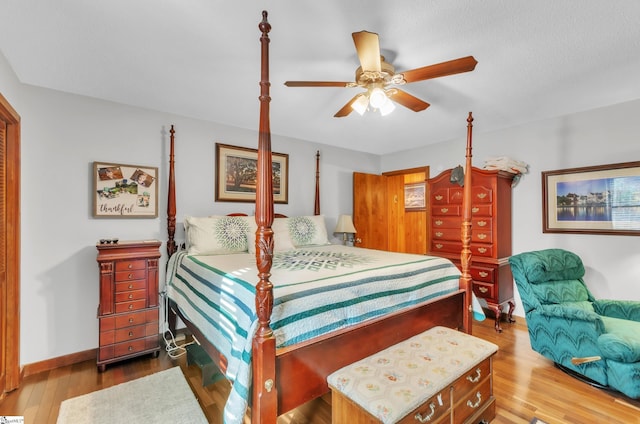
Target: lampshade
x=387, y=107
x=345, y=225
x=360, y=104
x=377, y=98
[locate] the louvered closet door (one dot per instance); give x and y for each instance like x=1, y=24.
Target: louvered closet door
x=3, y=256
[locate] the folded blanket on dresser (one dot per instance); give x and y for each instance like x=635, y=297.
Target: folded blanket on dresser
x=316, y=290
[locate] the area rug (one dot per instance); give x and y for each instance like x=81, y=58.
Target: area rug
x=537, y=421
x=163, y=397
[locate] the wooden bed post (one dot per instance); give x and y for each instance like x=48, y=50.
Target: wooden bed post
x=265, y=398
x=171, y=203
x=465, y=254
x=316, y=206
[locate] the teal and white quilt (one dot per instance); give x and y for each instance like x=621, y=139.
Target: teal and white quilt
x=317, y=290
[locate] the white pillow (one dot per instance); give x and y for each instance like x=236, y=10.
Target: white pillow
x=308, y=230
x=218, y=235
x=281, y=239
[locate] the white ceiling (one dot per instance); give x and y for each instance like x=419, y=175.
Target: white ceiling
x=201, y=59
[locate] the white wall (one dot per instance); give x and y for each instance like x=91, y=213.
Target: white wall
x=601, y=136
x=62, y=134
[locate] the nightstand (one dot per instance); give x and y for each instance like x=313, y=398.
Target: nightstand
x=128, y=311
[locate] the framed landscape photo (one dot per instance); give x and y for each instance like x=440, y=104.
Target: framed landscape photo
x=124, y=191
x=236, y=172
x=415, y=197
x=602, y=199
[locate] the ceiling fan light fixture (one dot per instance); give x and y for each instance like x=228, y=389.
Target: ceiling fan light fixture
x=377, y=98
x=360, y=104
x=387, y=108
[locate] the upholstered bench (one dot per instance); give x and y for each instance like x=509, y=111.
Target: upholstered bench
x=441, y=375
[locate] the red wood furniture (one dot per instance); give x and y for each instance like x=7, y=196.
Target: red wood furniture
x=288, y=377
x=491, y=233
x=128, y=310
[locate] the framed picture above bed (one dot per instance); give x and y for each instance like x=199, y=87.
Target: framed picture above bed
x=236, y=171
x=124, y=191
x=602, y=199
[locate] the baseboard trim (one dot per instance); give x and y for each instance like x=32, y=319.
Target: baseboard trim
x=60, y=361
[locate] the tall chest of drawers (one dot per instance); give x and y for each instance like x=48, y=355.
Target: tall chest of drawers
x=128, y=312
x=490, y=233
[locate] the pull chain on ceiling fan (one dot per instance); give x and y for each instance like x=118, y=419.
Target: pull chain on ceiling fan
x=378, y=78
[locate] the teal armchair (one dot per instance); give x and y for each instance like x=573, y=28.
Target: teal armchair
x=595, y=339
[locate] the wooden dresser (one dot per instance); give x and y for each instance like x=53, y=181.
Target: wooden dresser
x=128, y=310
x=490, y=233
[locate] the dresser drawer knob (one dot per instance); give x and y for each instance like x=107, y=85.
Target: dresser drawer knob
x=131, y=348
x=483, y=290
x=130, y=296
x=130, y=286
x=130, y=320
x=476, y=378
x=475, y=405
x=131, y=306
x=130, y=266
x=130, y=276
x=131, y=335
x=423, y=419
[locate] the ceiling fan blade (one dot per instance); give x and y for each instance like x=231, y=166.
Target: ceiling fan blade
x=368, y=49
x=317, y=84
x=407, y=100
x=346, y=109
x=456, y=66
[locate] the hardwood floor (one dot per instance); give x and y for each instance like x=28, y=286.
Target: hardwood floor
x=525, y=385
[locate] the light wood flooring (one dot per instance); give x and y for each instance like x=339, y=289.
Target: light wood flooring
x=525, y=385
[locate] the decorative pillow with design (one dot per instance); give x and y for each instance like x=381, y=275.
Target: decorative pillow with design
x=218, y=235
x=307, y=230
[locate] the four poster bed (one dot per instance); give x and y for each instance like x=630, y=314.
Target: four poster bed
x=347, y=303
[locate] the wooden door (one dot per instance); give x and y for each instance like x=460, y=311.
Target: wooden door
x=9, y=247
x=370, y=210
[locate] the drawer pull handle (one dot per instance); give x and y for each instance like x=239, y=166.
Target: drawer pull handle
x=444, y=210
x=475, y=405
x=482, y=223
x=476, y=378
x=482, y=249
x=424, y=419
x=130, y=320
x=130, y=276
x=130, y=333
x=130, y=286
x=130, y=266
x=131, y=306
x=439, y=197
x=483, y=274
x=438, y=223
x=475, y=210
x=130, y=296
x=482, y=236
x=439, y=246
x=439, y=234
x=131, y=348
x=483, y=289
x=482, y=195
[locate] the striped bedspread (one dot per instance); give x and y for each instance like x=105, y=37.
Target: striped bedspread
x=316, y=290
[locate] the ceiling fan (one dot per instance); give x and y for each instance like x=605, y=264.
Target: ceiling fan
x=379, y=79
